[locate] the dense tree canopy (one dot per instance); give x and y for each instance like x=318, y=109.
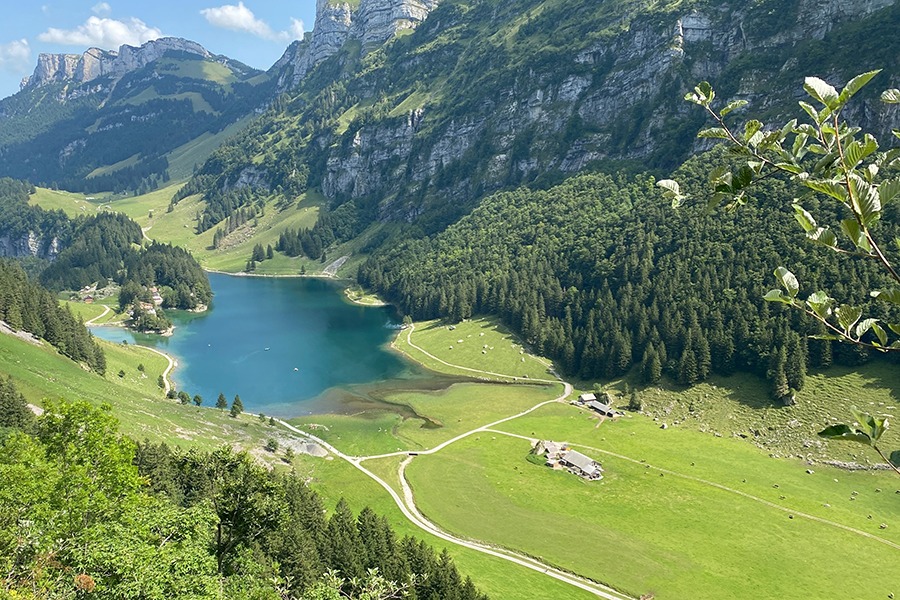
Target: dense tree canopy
x=83, y=509
x=26, y=306
x=601, y=275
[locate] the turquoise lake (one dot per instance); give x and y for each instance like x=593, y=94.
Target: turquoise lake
x=287, y=346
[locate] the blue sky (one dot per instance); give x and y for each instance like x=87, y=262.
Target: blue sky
x=255, y=32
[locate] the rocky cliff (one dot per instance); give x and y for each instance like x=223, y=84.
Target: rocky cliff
x=96, y=63
x=29, y=245
x=615, y=97
x=370, y=22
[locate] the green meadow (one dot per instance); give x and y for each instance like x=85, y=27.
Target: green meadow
x=480, y=346
x=660, y=521
x=446, y=414
x=138, y=402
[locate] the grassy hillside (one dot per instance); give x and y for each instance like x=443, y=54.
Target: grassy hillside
x=138, y=402
x=661, y=521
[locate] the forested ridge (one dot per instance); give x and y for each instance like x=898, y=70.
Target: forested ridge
x=102, y=247
x=602, y=275
x=26, y=306
x=86, y=512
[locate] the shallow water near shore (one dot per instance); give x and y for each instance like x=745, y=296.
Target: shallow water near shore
x=288, y=347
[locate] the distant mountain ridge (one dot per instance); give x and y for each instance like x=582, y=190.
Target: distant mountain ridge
x=95, y=62
x=109, y=120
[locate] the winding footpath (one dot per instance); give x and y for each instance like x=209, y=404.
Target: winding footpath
x=105, y=312
x=407, y=504
x=172, y=362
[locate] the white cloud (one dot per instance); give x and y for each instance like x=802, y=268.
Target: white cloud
x=103, y=33
x=297, y=29
x=15, y=56
x=241, y=18
x=102, y=9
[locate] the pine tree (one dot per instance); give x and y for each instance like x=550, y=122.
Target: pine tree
x=237, y=407
x=14, y=411
x=795, y=364
x=221, y=402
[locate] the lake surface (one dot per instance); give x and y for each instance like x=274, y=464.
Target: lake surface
x=288, y=346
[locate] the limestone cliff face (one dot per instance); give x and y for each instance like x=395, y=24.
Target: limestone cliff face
x=29, y=244
x=372, y=22
x=97, y=63
x=633, y=77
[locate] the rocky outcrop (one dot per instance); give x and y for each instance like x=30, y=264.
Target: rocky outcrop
x=617, y=98
x=97, y=63
x=371, y=23
x=28, y=245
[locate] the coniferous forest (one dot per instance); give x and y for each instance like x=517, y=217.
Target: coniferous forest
x=602, y=276
x=26, y=306
x=209, y=525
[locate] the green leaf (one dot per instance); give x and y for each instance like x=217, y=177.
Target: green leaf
x=820, y=303
x=891, y=96
x=891, y=295
x=895, y=327
x=733, y=105
x=829, y=187
x=857, y=151
x=853, y=231
x=714, y=133
x=865, y=199
x=856, y=84
x=672, y=191
x=751, y=129
x=806, y=220
x=844, y=433
x=703, y=94
x=743, y=178
x=824, y=237
x=821, y=91
x=788, y=280
x=789, y=167
x=888, y=191
x=847, y=316
x=810, y=110
x=777, y=296
x=879, y=333
x=872, y=427
x=863, y=327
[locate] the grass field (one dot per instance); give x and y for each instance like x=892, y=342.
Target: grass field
x=479, y=344
x=138, y=402
x=336, y=479
x=177, y=227
x=740, y=406
x=71, y=203
x=460, y=408
x=648, y=531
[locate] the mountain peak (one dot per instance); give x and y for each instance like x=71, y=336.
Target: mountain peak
x=371, y=22
x=96, y=62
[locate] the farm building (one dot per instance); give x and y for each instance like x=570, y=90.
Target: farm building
x=602, y=409
x=585, y=398
x=582, y=465
x=558, y=455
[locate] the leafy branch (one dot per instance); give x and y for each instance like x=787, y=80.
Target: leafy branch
x=828, y=158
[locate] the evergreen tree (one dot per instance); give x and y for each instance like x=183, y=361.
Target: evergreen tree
x=14, y=411
x=237, y=407
x=198, y=399
x=221, y=402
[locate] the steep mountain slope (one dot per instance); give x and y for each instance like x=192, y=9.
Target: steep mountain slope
x=106, y=120
x=483, y=95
